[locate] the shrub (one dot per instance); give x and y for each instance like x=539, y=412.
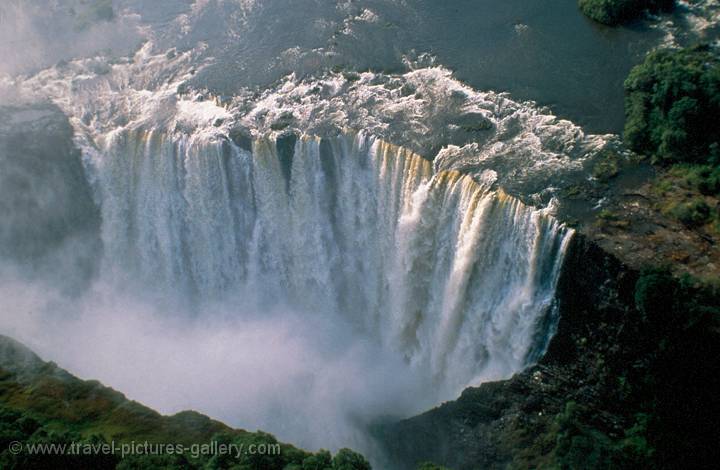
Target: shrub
x=580, y=445
x=703, y=178
x=693, y=213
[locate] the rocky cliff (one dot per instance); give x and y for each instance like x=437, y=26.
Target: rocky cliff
x=605, y=395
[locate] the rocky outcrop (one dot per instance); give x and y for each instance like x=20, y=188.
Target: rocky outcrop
x=49, y=218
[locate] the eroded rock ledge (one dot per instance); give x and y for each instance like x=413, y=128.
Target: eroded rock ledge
x=489, y=426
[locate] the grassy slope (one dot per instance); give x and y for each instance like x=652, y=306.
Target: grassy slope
x=59, y=404
x=88, y=408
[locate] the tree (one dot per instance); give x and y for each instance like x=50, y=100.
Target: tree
x=672, y=99
x=346, y=459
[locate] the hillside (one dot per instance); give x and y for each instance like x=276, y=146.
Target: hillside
x=42, y=403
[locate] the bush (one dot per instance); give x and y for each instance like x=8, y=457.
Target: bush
x=581, y=445
x=346, y=459
x=703, y=178
x=16, y=425
x=674, y=386
x=615, y=12
x=668, y=304
x=693, y=213
x=672, y=100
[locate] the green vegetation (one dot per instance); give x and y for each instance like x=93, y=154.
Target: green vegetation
x=690, y=193
x=671, y=385
x=349, y=460
x=693, y=213
x=615, y=12
x=579, y=442
x=16, y=426
x=672, y=100
x=671, y=103
x=659, y=404
x=607, y=215
x=681, y=318
x=607, y=218
x=41, y=403
x=704, y=179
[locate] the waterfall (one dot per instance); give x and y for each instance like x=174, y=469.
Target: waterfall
x=282, y=236
x=454, y=276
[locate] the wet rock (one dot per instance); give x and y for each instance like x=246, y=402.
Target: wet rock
x=50, y=223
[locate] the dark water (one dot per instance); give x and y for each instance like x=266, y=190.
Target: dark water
x=541, y=50
x=545, y=51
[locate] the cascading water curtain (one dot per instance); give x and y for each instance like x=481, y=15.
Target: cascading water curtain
x=456, y=277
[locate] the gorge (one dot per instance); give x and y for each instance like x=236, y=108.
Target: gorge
x=342, y=223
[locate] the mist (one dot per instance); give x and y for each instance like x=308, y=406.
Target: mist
x=359, y=286
x=310, y=381
x=35, y=34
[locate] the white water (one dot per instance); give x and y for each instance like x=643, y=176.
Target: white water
x=455, y=277
x=305, y=286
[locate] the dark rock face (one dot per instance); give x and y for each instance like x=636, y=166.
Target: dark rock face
x=491, y=426
x=50, y=223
